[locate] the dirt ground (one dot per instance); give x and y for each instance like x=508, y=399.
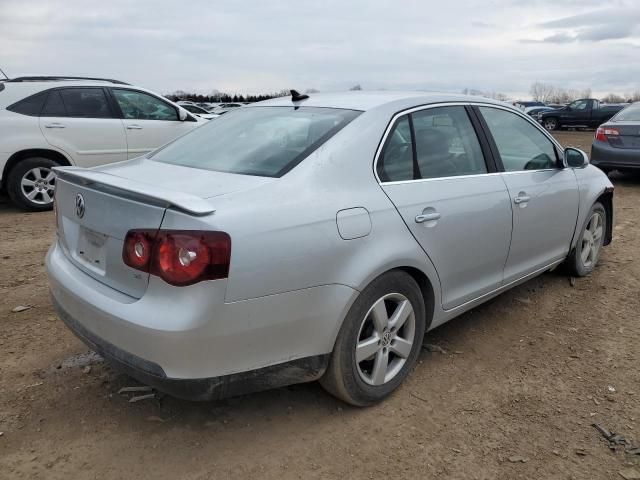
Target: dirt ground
x=522, y=379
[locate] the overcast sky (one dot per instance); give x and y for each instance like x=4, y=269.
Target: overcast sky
x=255, y=46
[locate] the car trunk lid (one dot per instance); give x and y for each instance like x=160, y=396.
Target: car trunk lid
x=628, y=135
x=96, y=208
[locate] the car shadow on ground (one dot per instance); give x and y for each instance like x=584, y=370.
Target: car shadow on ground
x=466, y=332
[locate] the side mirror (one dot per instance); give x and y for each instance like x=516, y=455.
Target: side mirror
x=182, y=114
x=575, y=158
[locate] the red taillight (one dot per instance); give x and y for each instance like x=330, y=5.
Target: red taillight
x=603, y=133
x=137, y=248
x=179, y=257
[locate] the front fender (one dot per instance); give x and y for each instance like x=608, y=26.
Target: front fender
x=593, y=185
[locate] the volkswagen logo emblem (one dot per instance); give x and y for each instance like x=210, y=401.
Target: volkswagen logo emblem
x=79, y=205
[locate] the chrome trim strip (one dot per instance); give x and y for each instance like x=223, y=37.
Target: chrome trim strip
x=457, y=104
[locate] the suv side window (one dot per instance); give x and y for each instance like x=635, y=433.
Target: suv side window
x=31, y=106
x=142, y=106
x=85, y=102
x=520, y=144
x=54, y=106
x=396, y=161
x=446, y=143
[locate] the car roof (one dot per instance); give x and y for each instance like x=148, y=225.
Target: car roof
x=368, y=100
x=16, y=91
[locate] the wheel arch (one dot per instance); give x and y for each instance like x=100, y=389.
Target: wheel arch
x=28, y=153
x=606, y=199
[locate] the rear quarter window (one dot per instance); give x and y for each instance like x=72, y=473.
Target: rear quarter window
x=31, y=106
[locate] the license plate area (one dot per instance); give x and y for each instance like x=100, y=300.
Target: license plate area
x=91, y=249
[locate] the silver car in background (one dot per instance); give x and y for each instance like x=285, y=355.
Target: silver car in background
x=316, y=238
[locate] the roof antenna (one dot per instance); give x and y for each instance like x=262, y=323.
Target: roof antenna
x=296, y=97
x=5, y=75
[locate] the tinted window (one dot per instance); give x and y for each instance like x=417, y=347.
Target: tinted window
x=629, y=114
x=142, y=106
x=265, y=141
x=29, y=106
x=54, y=107
x=396, y=162
x=446, y=143
x=85, y=102
x=520, y=144
x=194, y=109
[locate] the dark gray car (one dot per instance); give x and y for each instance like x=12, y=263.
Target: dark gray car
x=616, y=145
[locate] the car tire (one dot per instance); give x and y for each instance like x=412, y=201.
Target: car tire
x=353, y=375
x=31, y=185
x=584, y=257
x=551, y=124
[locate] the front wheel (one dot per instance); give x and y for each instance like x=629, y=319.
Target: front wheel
x=584, y=257
x=550, y=124
x=32, y=183
x=379, y=341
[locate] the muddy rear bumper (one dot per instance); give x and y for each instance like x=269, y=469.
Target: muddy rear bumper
x=201, y=389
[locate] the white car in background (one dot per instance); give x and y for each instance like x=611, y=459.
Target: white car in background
x=52, y=121
x=225, y=107
x=200, y=111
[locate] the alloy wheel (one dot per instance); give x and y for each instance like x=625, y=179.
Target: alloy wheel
x=385, y=339
x=550, y=124
x=38, y=185
x=592, y=240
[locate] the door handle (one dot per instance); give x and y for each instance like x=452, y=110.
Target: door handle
x=54, y=125
x=521, y=199
x=427, y=217
x=134, y=127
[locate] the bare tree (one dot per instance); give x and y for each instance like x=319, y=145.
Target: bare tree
x=542, y=92
x=613, y=98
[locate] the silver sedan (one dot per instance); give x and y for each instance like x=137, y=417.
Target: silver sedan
x=316, y=238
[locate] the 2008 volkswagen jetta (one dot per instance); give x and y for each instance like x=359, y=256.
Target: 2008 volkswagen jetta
x=316, y=238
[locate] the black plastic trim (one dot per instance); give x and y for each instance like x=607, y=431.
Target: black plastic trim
x=489, y=157
x=301, y=370
x=61, y=78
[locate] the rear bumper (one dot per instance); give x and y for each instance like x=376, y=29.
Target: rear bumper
x=188, y=342
x=201, y=389
x=605, y=156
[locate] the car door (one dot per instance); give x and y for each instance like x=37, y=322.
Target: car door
x=149, y=121
x=543, y=193
x=81, y=122
x=577, y=113
x=433, y=169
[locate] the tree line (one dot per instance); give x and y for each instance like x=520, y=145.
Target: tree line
x=222, y=97
x=548, y=93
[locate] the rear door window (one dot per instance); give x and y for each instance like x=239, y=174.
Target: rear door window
x=85, y=102
x=396, y=161
x=446, y=143
x=54, y=106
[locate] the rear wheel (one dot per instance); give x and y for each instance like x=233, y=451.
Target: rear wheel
x=379, y=341
x=551, y=123
x=585, y=255
x=31, y=183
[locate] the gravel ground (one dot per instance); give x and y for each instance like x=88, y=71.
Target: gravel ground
x=514, y=395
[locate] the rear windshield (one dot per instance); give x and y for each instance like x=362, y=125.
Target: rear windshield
x=264, y=141
x=629, y=114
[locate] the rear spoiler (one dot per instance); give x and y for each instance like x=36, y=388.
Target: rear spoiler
x=107, y=182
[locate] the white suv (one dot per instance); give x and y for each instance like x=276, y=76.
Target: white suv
x=51, y=121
